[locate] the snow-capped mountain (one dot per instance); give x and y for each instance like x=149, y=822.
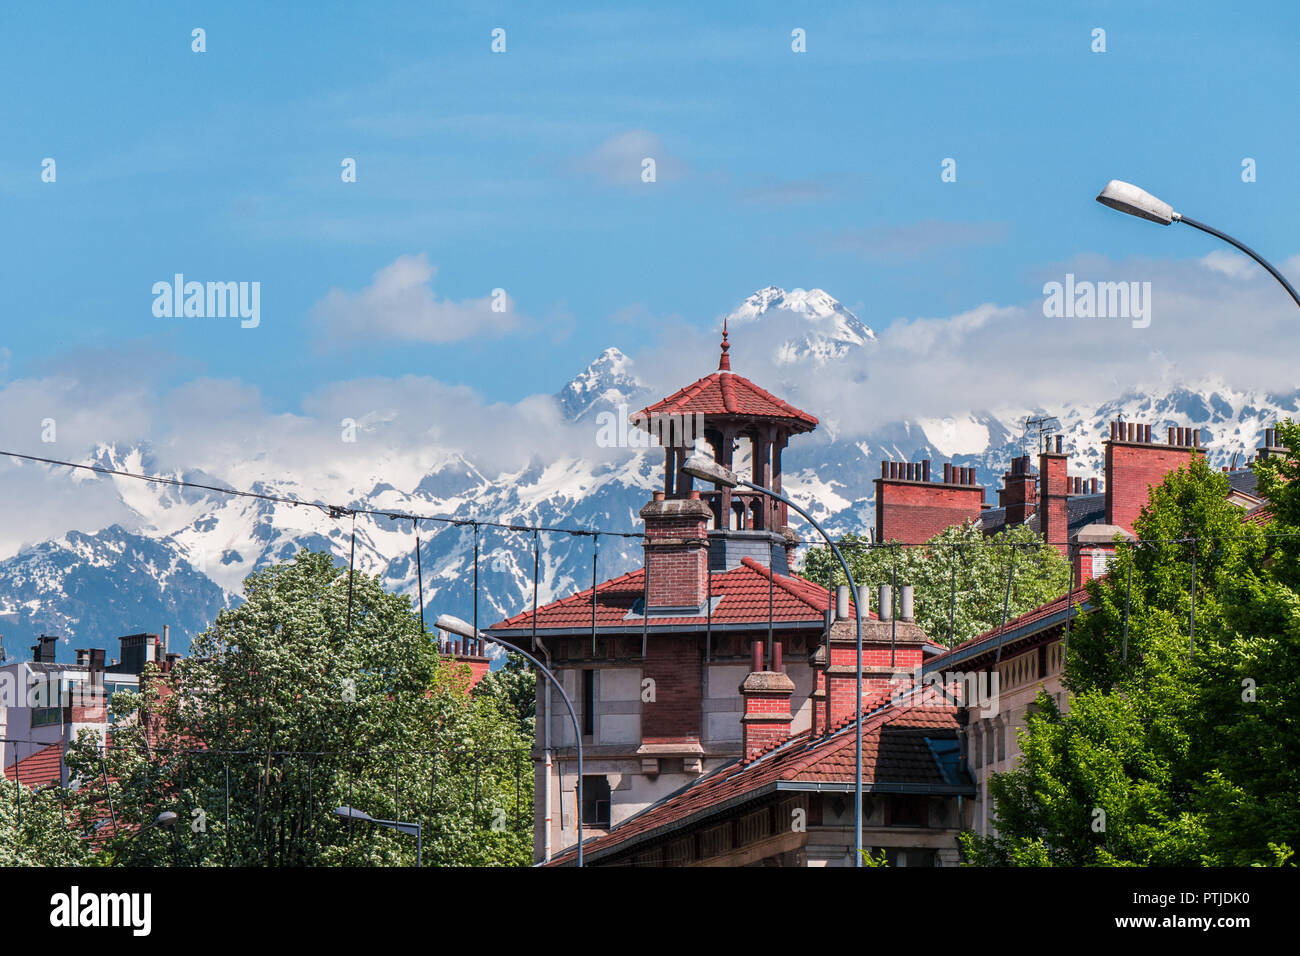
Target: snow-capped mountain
x=828, y=330
x=606, y=382
x=190, y=552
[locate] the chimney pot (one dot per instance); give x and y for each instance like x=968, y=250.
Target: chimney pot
x=778, y=664
x=947, y=472
x=842, y=602
x=905, y=606
x=1058, y=444
x=756, y=657
x=884, y=469
x=885, y=608
x=925, y=470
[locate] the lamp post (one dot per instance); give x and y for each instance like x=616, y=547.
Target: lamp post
x=401, y=826
x=449, y=622
x=705, y=468
x=167, y=818
x=1134, y=201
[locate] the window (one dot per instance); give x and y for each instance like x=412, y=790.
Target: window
x=595, y=801
x=47, y=698
x=908, y=811
x=589, y=703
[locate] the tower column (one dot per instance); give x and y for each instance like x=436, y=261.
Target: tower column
x=723, y=458
x=761, y=442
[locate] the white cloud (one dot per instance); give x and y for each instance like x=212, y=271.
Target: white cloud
x=1207, y=324
x=618, y=160
x=400, y=305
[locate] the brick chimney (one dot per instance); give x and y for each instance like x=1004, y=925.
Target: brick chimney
x=676, y=551
x=1271, y=445
x=817, y=699
x=766, y=696
x=1134, y=463
x=43, y=651
x=1019, y=491
x=1053, y=489
x=467, y=652
x=90, y=702
x=891, y=650
x=139, y=650
x=912, y=509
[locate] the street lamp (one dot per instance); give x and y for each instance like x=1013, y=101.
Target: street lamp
x=449, y=622
x=401, y=826
x=1130, y=199
x=701, y=466
x=165, y=819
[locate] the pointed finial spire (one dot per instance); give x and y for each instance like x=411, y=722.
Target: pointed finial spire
x=724, y=363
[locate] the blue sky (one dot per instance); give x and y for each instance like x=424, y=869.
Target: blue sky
x=510, y=170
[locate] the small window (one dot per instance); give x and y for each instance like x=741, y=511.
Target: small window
x=589, y=703
x=595, y=801
x=908, y=811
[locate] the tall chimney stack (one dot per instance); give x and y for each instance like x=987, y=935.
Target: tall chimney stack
x=1053, y=490
x=766, y=695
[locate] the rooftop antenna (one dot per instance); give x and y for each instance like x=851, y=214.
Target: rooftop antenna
x=1045, y=425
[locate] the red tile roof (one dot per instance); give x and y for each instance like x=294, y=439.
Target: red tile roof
x=39, y=769
x=725, y=393
x=894, y=751
x=1261, y=514
x=743, y=592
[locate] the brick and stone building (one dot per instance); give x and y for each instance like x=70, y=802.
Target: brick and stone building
x=714, y=658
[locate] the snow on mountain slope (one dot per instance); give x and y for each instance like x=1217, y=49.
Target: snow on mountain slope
x=607, y=381
x=826, y=329
x=189, y=551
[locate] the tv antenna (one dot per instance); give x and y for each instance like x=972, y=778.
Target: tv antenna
x=1044, y=426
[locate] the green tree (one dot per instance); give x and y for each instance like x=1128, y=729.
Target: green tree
x=1182, y=741
x=959, y=576
x=514, y=688
x=38, y=827
x=303, y=713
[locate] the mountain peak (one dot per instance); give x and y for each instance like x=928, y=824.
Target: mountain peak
x=607, y=380
x=829, y=330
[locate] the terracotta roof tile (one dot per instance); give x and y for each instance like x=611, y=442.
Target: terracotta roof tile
x=725, y=393
x=39, y=769
x=743, y=592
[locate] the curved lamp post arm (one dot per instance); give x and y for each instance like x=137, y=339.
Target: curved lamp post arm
x=573, y=716
x=1135, y=201
x=857, y=615
x=1247, y=250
